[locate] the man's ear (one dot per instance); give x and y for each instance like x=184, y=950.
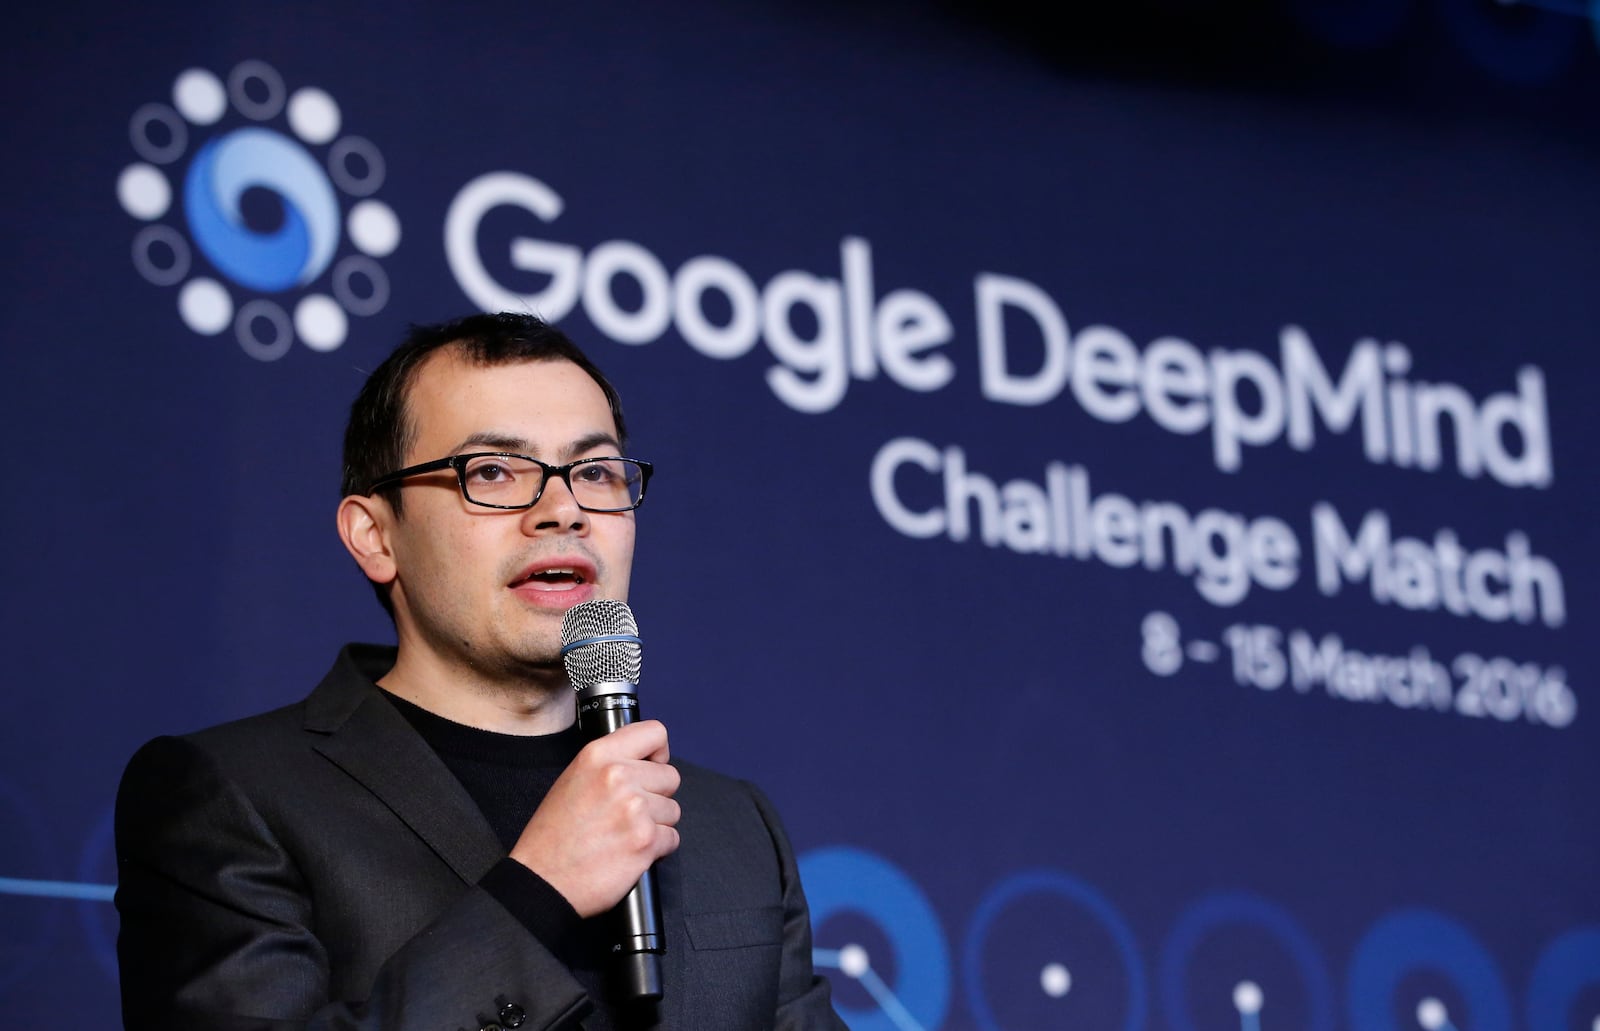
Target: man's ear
x=364, y=526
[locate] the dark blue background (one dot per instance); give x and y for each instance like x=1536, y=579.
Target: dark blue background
x=976, y=723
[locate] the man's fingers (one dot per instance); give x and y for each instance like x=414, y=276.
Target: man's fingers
x=664, y=812
x=658, y=778
x=646, y=739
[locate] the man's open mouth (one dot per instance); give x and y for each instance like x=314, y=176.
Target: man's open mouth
x=556, y=578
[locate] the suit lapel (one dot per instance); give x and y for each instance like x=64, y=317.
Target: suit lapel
x=368, y=738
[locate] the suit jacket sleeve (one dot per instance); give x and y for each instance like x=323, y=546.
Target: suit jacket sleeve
x=804, y=999
x=219, y=926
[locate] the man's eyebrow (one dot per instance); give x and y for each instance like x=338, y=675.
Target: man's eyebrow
x=498, y=441
x=521, y=445
x=592, y=441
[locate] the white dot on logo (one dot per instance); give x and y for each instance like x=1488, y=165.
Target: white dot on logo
x=1432, y=1015
x=313, y=115
x=1247, y=997
x=320, y=322
x=205, y=306
x=143, y=191
x=853, y=961
x=199, y=96
x=1055, y=979
x=374, y=228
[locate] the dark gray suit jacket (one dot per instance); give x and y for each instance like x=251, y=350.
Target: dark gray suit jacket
x=317, y=867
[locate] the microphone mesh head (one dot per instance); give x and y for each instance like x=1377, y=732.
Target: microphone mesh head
x=603, y=661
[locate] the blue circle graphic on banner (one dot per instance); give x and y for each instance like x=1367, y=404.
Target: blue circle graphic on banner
x=296, y=251
x=1569, y=966
x=850, y=880
x=1241, y=909
x=1413, y=941
x=1081, y=897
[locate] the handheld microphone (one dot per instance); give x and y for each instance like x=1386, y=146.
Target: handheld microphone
x=600, y=647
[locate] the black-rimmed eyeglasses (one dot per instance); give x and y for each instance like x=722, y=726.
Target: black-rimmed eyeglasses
x=498, y=479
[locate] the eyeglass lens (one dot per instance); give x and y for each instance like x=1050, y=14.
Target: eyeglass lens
x=599, y=483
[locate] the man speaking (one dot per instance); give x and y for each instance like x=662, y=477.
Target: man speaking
x=428, y=840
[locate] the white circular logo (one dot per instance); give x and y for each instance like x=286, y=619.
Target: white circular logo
x=259, y=209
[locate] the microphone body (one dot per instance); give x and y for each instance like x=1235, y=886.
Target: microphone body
x=600, y=646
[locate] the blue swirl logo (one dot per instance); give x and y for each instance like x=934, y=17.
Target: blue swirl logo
x=271, y=261
x=272, y=231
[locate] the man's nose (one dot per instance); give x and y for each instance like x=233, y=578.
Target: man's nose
x=557, y=509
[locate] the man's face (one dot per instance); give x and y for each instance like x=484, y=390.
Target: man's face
x=487, y=588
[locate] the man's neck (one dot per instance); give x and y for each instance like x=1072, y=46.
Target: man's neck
x=536, y=701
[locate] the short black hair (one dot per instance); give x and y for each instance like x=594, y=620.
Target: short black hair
x=380, y=430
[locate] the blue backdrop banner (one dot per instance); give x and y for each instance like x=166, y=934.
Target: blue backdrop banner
x=1121, y=484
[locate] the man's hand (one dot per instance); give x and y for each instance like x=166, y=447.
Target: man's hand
x=606, y=819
